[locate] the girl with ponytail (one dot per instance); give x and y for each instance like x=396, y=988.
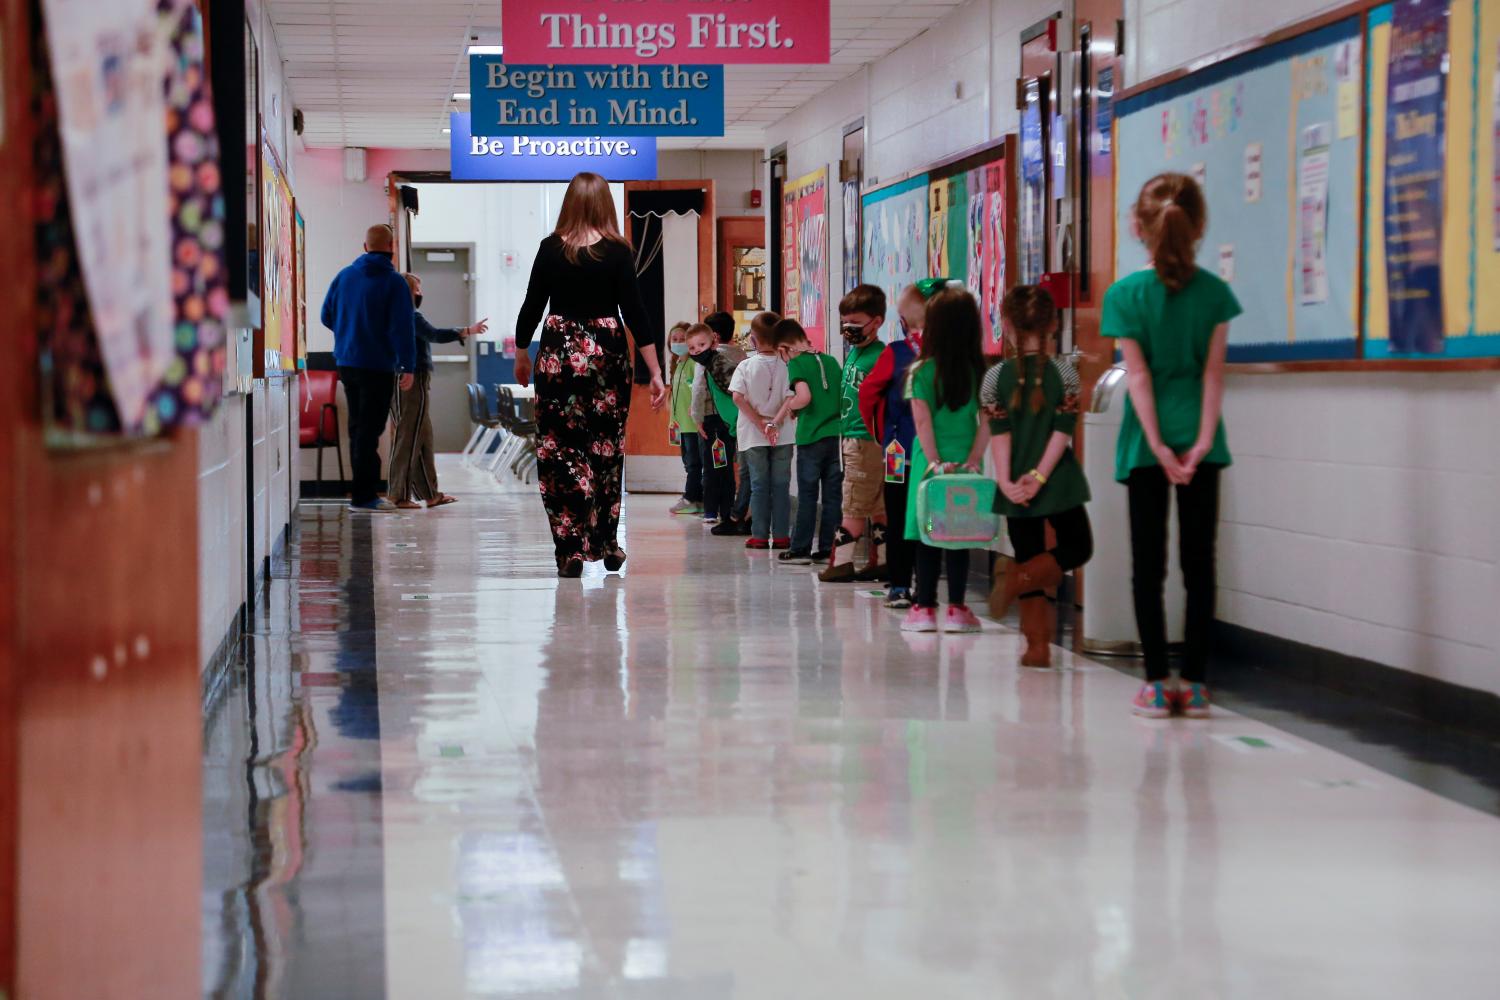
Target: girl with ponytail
x=1172, y=321
x=1031, y=400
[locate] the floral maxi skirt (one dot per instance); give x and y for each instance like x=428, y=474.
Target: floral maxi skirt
x=582, y=400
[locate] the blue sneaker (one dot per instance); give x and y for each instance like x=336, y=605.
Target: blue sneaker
x=376, y=506
x=898, y=598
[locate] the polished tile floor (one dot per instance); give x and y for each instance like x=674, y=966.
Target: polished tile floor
x=440, y=772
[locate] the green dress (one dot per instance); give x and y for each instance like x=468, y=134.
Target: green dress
x=954, y=431
x=682, y=395
x=1175, y=330
x=1030, y=432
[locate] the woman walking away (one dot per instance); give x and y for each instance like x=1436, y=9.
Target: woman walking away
x=1032, y=403
x=1173, y=323
x=584, y=277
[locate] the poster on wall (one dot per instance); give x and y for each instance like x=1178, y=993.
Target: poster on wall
x=278, y=273
x=985, y=269
x=1033, y=237
x=301, y=259
x=895, y=222
x=1312, y=213
x=791, y=283
x=109, y=61
x=812, y=256
x=852, y=235
x=1415, y=133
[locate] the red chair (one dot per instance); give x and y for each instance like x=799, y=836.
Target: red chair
x=319, y=424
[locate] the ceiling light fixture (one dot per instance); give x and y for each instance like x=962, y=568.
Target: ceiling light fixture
x=460, y=97
x=486, y=50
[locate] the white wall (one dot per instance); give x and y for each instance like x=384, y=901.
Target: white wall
x=1360, y=516
x=734, y=173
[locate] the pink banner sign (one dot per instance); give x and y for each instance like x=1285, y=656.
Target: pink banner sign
x=600, y=32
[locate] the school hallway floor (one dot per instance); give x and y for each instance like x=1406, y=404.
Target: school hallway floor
x=441, y=772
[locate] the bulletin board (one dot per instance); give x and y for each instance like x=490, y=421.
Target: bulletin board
x=1469, y=218
x=1275, y=137
x=278, y=278
x=895, y=251
x=805, y=255
x=971, y=227
x=301, y=270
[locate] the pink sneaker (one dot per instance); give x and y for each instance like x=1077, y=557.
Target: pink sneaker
x=960, y=619
x=1193, y=701
x=920, y=620
x=1152, y=701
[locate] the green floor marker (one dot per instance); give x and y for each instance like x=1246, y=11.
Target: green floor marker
x=451, y=751
x=1255, y=742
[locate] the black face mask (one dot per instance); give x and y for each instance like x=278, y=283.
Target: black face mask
x=417, y=299
x=854, y=333
x=702, y=356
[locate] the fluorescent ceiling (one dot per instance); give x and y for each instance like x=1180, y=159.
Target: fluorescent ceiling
x=382, y=73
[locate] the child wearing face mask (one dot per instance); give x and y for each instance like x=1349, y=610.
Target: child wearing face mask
x=684, y=428
x=887, y=413
x=861, y=315
x=716, y=426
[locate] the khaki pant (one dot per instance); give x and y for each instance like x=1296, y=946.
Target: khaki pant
x=413, y=468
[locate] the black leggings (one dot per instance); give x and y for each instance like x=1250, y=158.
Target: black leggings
x=899, y=553
x=1075, y=538
x=930, y=562
x=1197, y=525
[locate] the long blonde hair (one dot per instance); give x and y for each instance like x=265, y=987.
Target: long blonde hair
x=588, y=207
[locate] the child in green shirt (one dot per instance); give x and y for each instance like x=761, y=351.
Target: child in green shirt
x=943, y=387
x=684, y=429
x=1031, y=400
x=815, y=383
x=1172, y=322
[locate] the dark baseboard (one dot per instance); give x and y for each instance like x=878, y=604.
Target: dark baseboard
x=1438, y=702
x=336, y=489
x=219, y=666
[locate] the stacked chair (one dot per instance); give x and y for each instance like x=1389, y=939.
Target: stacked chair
x=505, y=437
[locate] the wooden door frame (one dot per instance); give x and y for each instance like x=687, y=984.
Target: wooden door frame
x=727, y=226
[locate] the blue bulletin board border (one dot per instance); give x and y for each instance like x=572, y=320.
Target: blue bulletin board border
x=1306, y=350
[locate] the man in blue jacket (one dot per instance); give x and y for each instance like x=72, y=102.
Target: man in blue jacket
x=369, y=309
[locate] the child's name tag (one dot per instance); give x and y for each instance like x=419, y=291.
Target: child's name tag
x=674, y=435
x=721, y=455
x=895, y=463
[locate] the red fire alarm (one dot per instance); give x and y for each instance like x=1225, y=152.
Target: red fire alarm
x=1060, y=285
x=755, y=197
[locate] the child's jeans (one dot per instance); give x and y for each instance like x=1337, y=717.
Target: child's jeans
x=770, y=491
x=742, y=493
x=818, y=467
x=693, y=448
x=718, y=484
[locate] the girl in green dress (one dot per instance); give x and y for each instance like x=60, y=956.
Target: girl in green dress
x=1031, y=400
x=683, y=426
x=943, y=387
x=1172, y=321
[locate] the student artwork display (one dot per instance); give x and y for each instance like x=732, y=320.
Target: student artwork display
x=1032, y=245
x=301, y=258
x=108, y=62
x=812, y=256
x=791, y=272
x=895, y=221
x=966, y=237
x=278, y=271
x=852, y=234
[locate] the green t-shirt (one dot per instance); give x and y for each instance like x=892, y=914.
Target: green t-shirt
x=859, y=364
x=953, y=431
x=1031, y=430
x=1175, y=330
x=682, y=395
x=820, y=418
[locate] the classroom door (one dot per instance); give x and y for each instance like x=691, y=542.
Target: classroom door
x=447, y=301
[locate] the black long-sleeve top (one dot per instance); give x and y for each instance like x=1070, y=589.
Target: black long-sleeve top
x=596, y=287
x=427, y=335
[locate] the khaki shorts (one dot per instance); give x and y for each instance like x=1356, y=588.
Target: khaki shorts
x=864, y=478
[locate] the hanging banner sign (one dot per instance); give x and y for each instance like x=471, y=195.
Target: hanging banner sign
x=546, y=158
x=599, y=100
x=657, y=32
x=1415, y=139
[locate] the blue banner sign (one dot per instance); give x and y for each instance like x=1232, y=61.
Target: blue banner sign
x=1414, y=134
x=595, y=100
x=546, y=158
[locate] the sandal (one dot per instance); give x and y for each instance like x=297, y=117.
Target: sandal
x=408, y=505
x=442, y=501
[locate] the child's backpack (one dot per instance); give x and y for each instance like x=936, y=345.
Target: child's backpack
x=957, y=511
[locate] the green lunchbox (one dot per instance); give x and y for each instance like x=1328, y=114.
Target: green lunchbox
x=957, y=511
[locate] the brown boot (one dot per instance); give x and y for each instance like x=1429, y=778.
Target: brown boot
x=1036, y=626
x=1041, y=573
